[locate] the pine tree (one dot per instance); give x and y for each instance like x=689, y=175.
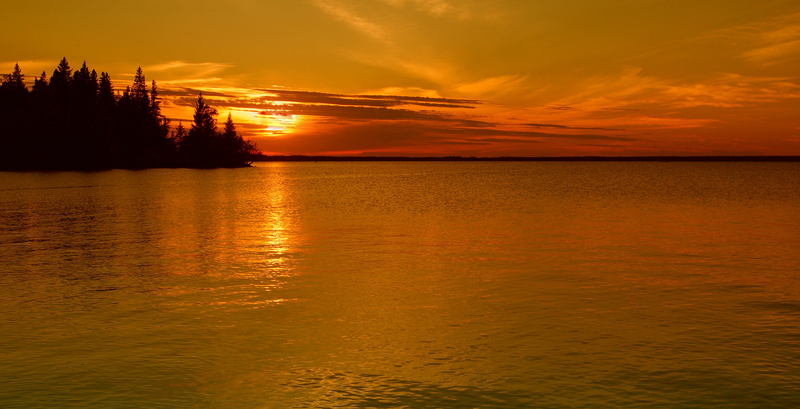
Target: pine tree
x=155, y=103
x=82, y=75
x=106, y=91
x=204, y=124
x=13, y=108
x=179, y=134
x=62, y=77
x=230, y=129
x=93, y=80
x=15, y=80
x=84, y=88
x=40, y=84
x=138, y=91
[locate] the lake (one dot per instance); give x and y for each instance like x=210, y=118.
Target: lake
x=419, y=285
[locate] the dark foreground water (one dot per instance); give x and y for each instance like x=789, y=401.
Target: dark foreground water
x=416, y=285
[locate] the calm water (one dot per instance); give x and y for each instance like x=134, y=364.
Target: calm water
x=545, y=285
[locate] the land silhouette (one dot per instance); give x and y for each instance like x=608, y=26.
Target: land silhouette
x=76, y=121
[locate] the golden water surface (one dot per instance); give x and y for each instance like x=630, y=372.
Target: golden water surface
x=413, y=285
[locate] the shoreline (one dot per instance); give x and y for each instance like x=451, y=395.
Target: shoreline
x=304, y=158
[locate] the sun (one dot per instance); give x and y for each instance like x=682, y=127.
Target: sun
x=264, y=124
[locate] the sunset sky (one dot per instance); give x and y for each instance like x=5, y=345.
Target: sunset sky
x=448, y=77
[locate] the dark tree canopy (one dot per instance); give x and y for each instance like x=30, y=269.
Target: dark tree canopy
x=15, y=80
x=205, y=147
x=75, y=120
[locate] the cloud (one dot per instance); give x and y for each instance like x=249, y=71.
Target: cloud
x=182, y=72
x=434, y=7
x=359, y=113
x=424, y=120
x=343, y=14
x=430, y=69
x=529, y=134
x=413, y=138
x=571, y=127
x=770, y=41
x=204, y=68
x=624, y=86
x=561, y=108
x=461, y=9
x=409, y=91
x=731, y=91
x=492, y=86
x=771, y=53
x=365, y=100
x=617, y=93
x=283, y=98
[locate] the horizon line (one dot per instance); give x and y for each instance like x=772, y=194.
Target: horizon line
x=594, y=158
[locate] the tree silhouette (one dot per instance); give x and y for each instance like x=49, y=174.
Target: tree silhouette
x=205, y=119
x=76, y=121
x=13, y=106
x=205, y=147
x=238, y=150
x=60, y=80
x=179, y=134
x=106, y=91
x=15, y=80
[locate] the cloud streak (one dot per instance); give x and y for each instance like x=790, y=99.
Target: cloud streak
x=769, y=41
x=347, y=16
x=282, y=97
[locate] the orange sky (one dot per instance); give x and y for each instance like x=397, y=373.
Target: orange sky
x=447, y=77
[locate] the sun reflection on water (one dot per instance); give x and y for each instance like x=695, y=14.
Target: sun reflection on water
x=275, y=225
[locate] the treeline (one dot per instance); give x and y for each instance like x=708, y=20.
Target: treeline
x=76, y=121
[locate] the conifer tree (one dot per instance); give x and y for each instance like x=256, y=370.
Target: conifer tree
x=82, y=75
x=179, y=134
x=13, y=107
x=15, y=80
x=84, y=88
x=13, y=93
x=138, y=91
x=230, y=129
x=155, y=103
x=93, y=80
x=204, y=125
x=106, y=90
x=62, y=77
x=40, y=83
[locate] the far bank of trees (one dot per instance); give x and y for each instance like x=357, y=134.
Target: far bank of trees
x=75, y=120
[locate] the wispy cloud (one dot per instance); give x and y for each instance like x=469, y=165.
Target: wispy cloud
x=571, y=127
x=197, y=69
x=434, y=7
x=774, y=52
x=611, y=91
x=492, y=87
x=731, y=91
x=461, y=9
x=632, y=89
x=342, y=13
x=431, y=69
x=407, y=91
x=769, y=41
x=258, y=97
x=182, y=72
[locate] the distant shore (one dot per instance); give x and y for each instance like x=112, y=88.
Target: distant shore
x=303, y=158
